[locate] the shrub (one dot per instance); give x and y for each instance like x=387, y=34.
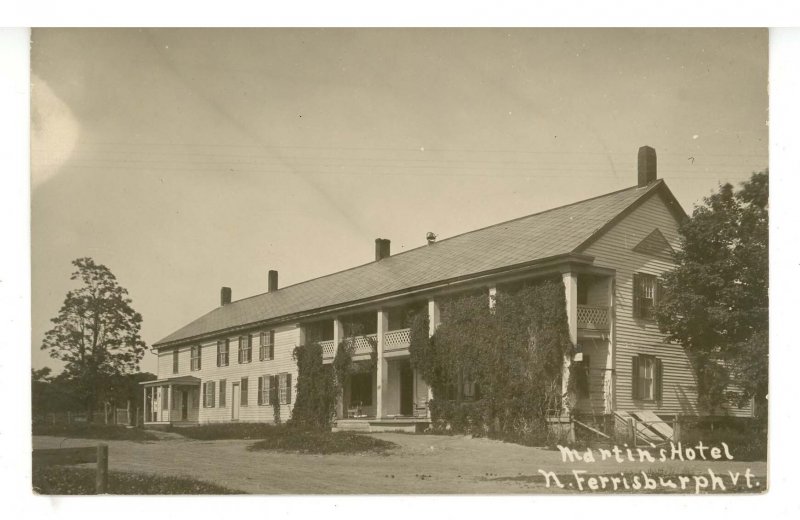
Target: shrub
x=316, y=396
x=292, y=439
x=746, y=437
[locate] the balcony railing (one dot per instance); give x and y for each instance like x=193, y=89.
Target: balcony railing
x=594, y=317
x=392, y=341
x=397, y=339
x=327, y=349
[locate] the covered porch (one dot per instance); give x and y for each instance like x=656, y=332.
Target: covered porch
x=174, y=401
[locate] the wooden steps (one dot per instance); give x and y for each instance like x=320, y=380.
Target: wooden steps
x=649, y=427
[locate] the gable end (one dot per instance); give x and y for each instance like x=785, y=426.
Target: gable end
x=655, y=245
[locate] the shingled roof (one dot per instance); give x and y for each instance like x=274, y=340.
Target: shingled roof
x=547, y=234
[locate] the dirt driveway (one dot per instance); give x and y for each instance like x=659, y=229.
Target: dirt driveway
x=422, y=464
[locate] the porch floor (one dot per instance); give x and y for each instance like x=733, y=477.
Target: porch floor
x=384, y=424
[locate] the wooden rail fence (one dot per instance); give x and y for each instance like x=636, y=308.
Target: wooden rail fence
x=66, y=456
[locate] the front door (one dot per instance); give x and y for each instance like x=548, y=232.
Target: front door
x=236, y=399
x=406, y=389
x=184, y=405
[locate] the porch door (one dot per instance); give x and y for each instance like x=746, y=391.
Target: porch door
x=235, y=401
x=406, y=389
x=184, y=405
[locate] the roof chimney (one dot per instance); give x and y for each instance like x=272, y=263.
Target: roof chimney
x=272, y=281
x=647, y=166
x=431, y=237
x=382, y=248
x=224, y=296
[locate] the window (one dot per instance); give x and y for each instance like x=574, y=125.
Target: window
x=196, y=358
x=265, y=384
x=223, y=348
x=647, y=378
x=175, y=361
x=208, y=394
x=285, y=388
x=243, y=390
x=583, y=377
x=245, y=350
x=267, y=345
x=645, y=295
x=361, y=389
x=222, y=385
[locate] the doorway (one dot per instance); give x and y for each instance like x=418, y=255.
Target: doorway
x=235, y=402
x=406, y=389
x=184, y=405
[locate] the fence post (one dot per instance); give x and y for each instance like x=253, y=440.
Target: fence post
x=130, y=422
x=631, y=432
x=101, y=483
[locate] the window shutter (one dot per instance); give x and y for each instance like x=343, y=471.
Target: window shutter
x=199, y=357
x=243, y=389
x=637, y=285
x=635, y=377
x=272, y=344
x=203, y=394
x=219, y=350
x=288, y=388
x=659, y=378
x=213, y=393
x=222, y=391
x=273, y=390
x=658, y=292
x=260, y=390
x=249, y=348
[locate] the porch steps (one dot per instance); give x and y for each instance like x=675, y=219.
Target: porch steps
x=643, y=432
x=409, y=425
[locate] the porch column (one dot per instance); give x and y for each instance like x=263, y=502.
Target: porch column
x=301, y=335
x=608, y=376
x=434, y=318
x=492, y=296
x=383, y=365
x=169, y=404
x=144, y=405
x=338, y=336
x=571, y=292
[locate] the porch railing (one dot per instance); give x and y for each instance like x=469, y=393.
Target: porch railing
x=595, y=317
x=327, y=349
x=397, y=339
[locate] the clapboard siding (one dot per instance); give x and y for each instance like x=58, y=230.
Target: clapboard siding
x=633, y=336
x=286, y=339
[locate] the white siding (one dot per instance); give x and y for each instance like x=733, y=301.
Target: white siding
x=286, y=339
x=634, y=336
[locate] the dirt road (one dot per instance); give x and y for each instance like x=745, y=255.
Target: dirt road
x=423, y=464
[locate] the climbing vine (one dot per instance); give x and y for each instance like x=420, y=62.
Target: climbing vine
x=316, y=397
x=510, y=358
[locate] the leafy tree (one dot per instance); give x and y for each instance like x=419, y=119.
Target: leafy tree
x=96, y=333
x=716, y=302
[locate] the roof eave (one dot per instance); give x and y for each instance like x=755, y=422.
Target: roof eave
x=576, y=258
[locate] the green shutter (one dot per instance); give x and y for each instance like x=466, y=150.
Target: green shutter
x=635, y=377
x=637, y=286
x=659, y=380
x=288, y=388
x=272, y=344
x=273, y=390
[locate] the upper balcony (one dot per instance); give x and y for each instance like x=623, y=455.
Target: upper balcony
x=394, y=342
x=594, y=318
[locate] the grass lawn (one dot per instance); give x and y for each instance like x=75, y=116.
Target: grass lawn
x=65, y=480
x=94, y=431
x=287, y=438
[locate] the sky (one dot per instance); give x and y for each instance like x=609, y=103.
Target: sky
x=186, y=160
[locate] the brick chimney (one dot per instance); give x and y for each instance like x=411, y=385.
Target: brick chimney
x=382, y=248
x=272, y=281
x=647, y=166
x=224, y=296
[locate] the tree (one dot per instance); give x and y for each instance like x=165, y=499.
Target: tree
x=96, y=333
x=716, y=302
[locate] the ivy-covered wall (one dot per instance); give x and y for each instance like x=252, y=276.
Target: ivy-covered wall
x=496, y=370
